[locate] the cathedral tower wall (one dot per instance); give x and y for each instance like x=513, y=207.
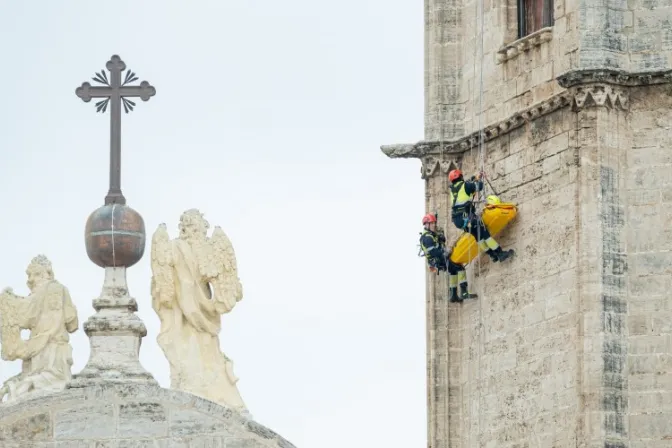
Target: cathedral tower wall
x=570, y=342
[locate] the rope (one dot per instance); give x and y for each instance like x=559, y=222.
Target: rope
x=445, y=277
x=482, y=198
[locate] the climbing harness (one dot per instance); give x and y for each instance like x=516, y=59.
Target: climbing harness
x=432, y=262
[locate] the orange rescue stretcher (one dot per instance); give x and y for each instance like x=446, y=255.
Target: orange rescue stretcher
x=495, y=218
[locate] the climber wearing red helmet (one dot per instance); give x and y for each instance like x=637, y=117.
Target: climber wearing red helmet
x=432, y=243
x=464, y=217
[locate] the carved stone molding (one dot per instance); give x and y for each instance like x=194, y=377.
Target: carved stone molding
x=599, y=95
x=615, y=77
x=437, y=164
x=436, y=148
x=513, y=49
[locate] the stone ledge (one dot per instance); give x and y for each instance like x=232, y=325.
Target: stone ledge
x=578, y=97
x=585, y=88
x=618, y=77
x=515, y=48
x=425, y=148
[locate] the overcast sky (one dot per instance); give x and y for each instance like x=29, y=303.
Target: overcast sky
x=268, y=118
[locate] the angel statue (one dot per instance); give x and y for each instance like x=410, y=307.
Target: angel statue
x=195, y=281
x=49, y=314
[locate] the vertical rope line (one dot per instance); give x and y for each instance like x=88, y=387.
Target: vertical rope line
x=482, y=170
x=445, y=288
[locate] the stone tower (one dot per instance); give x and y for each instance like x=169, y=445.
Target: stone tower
x=567, y=106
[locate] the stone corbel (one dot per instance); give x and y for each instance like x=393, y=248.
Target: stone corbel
x=436, y=166
x=515, y=48
x=599, y=95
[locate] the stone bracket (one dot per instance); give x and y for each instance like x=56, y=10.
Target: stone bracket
x=515, y=48
x=600, y=95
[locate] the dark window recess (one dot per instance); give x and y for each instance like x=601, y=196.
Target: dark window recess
x=534, y=15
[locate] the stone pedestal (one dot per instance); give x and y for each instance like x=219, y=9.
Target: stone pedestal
x=116, y=333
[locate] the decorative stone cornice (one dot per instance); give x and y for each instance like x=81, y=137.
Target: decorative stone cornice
x=425, y=148
x=432, y=164
x=585, y=88
x=615, y=77
x=599, y=95
x=579, y=97
x=513, y=49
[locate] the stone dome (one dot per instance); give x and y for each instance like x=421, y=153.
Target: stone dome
x=129, y=416
x=115, y=236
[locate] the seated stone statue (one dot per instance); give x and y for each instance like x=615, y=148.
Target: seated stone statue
x=49, y=314
x=194, y=282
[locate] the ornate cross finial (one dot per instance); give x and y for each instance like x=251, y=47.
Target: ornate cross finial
x=115, y=93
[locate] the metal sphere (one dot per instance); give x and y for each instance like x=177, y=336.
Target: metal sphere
x=115, y=236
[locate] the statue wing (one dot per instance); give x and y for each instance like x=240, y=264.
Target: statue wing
x=225, y=283
x=163, y=282
x=12, y=308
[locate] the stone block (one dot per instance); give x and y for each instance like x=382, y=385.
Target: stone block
x=655, y=363
x=651, y=426
x=33, y=428
x=85, y=422
x=645, y=198
x=238, y=443
x=136, y=443
x=142, y=419
x=653, y=263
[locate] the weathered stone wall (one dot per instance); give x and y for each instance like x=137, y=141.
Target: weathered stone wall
x=647, y=184
x=570, y=342
x=517, y=73
x=513, y=352
x=619, y=35
x=129, y=416
x=444, y=111
x=634, y=35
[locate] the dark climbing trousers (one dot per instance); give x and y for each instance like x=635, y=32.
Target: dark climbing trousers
x=454, y=269
x=472, y=224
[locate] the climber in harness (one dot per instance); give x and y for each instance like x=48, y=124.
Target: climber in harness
x=464, y=214
x=432, y=243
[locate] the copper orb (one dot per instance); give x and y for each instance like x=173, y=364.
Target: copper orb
x=115, y=236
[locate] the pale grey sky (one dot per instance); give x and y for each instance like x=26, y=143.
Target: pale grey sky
x=268, y=118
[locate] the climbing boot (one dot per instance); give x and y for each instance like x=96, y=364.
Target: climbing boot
x=453, y=295
x=464, y=292
x=504, y=254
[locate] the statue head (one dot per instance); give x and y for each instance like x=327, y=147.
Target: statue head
x=39, y=271
x=193, y=225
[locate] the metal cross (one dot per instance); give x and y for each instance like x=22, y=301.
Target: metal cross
x=115, y=93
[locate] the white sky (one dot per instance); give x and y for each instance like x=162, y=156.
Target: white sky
x=268, y=118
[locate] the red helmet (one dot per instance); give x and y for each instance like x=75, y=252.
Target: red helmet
x=454, y=175
x=428, y=218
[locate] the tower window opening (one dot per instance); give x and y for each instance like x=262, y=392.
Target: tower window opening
x=534, y=15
